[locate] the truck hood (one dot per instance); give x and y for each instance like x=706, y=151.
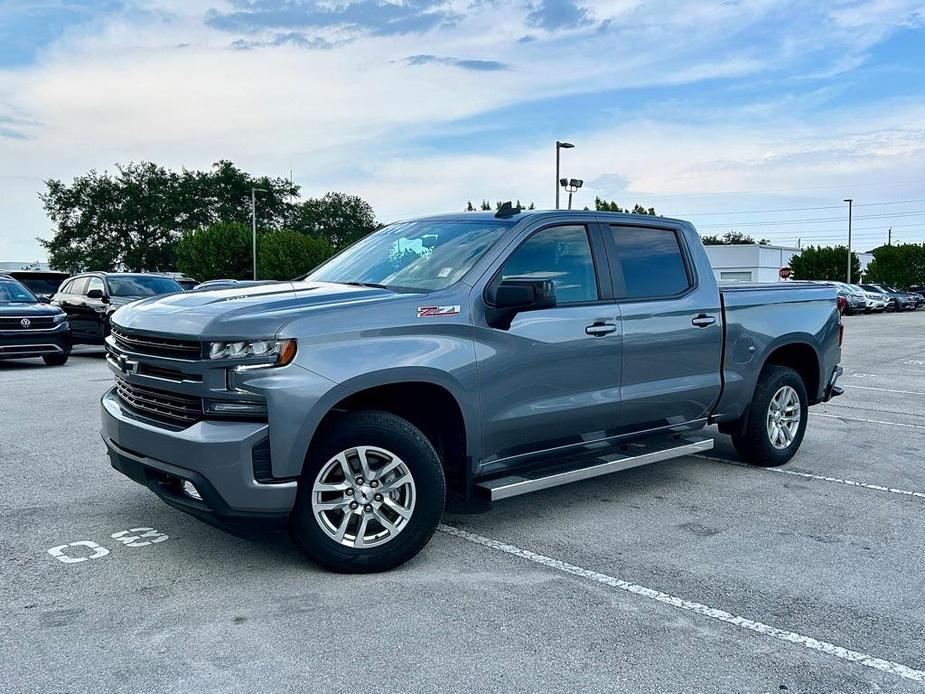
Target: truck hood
x=28, y=310
x=240, y=311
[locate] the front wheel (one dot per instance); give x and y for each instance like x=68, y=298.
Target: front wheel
x=776, y=421
x=371, y=494
x=55, y=359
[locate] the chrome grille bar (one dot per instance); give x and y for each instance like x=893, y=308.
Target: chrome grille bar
x=159, y=404
x=156, y=346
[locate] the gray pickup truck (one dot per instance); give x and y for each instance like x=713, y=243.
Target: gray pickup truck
x=469, y=354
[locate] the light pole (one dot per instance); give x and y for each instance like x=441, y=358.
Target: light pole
x=571, y=185
x=560, y=145
x=850, y=202
x=254, y=192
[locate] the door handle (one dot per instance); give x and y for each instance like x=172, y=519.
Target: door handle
x=600, y=328
x=703, y=320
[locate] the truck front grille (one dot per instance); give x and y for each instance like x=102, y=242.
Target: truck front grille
x=156, y=346
x=173, y=408
x=33, y=322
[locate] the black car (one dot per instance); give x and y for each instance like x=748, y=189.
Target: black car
x=42, y=283
x=30, y=328
x=903, y=299
x=91, y=298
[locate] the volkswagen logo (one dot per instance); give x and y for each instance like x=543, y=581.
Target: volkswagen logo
x=25, y=322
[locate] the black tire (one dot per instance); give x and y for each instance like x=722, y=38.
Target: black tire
x=55, y=359
x=396, y=435
x=752, y=441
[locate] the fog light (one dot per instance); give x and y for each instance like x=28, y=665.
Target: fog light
x=190, y=490
x=236, y=407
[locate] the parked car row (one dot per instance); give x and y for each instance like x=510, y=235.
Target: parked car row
x=876, y=298
x=44, y=313
x=77, y=312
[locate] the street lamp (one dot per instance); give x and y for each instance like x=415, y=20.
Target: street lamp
x=571, y=185
x=560, y=145
x=850, y=202
x=254, y=192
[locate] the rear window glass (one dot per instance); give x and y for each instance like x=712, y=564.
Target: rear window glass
x=651, y=262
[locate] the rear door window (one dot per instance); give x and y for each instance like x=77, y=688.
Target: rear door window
x=649, y=263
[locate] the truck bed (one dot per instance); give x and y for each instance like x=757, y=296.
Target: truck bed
x=758, y=318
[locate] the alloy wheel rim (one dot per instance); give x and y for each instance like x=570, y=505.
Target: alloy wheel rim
x=363, y=497
x=783, y=417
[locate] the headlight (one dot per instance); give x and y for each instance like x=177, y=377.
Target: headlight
x=282, y=351
x=60, y=317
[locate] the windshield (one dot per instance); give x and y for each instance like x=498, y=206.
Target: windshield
x=41, y=285
x=141, y=285
x=413, y=256
x=12, y=292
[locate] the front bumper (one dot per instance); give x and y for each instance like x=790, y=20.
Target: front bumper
x=216, y=456
x=19, y=344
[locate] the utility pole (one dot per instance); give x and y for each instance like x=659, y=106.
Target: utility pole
x=254, y=192
x=560, y=145
x=850, y=202
x=889, y=237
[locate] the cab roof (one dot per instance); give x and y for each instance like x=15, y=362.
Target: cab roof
x=543, y=214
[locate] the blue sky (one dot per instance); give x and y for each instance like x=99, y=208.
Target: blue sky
x=735, y=114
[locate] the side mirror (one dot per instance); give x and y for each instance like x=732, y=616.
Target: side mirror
x=518, y=294
x=95, y=294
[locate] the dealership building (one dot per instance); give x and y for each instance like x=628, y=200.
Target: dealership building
x=752, y=262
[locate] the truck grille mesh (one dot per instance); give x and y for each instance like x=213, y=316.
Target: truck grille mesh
x=156, y=346
x=173, y=408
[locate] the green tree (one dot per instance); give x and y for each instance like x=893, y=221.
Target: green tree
x=285, y=254
x=731, y=237
x=220, y=251
x=338, y=218
x=902, y=265
x=602, y=205
x=485, y=206
x=825, y=263
x=134, y=218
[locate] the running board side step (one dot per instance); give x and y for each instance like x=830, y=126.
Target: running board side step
x=564, y=473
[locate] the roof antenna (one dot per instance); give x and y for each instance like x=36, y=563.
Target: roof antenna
x=507, y=209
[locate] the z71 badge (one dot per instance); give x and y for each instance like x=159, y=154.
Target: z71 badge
x=435, y=311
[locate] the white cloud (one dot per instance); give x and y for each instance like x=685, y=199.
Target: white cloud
x=125, y=91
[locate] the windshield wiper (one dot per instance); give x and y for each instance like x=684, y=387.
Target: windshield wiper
x=365, y=284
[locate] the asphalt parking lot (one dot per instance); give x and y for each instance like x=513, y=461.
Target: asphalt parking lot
x=693, y=575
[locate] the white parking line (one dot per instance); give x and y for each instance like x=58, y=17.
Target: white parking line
x=696, y=607
x=869, y=421
x=821, y=478
x=886, y=390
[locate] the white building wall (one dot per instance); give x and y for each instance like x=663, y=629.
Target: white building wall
x=749, y=262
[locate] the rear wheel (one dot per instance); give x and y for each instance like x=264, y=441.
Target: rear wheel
x=371, y=494
x=776, y=421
